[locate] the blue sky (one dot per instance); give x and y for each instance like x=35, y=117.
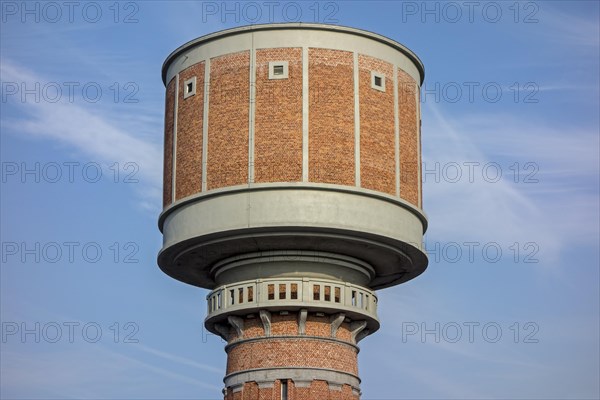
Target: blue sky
x=509, y=306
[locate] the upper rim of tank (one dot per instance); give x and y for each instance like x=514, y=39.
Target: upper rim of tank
x=293, y=25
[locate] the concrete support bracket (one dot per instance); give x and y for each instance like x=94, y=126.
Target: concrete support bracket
x=362, y=334
x=223, y=331
x=238, y=324
x=302, y=321
x=265, y=317
x=302, y=384
x=356, y=328
x=265, y=384
x=336, y=321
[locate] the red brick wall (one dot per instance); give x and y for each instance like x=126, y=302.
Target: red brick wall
x=419, y=151
x=292, y=352
x=320, y=390
x=331, y=116
x=168, y=148
x=278, y=118
x=278, y=351
x=377, y=133
x=189, y=134
x=409, y=146
x=286, y=325
x=278, y=124
x=250, y=391
x=227, y=158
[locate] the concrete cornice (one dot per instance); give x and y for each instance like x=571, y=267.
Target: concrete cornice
x=294, y=186
x=289, y=26
x=308, y=374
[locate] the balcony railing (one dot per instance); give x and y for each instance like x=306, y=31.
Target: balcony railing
x=293, y=292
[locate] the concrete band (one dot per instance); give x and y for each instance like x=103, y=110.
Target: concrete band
x=419, y=213
x=293, y=35
x=296, y=374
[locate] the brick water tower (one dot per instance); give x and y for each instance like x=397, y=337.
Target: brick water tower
x=292, y=191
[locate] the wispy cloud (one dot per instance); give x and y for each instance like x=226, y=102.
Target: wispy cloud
x=567, y=28
x=558, y=210
x=82, y=370
x=180, y=360
x=466, y=368
x=88, y=130
x=93, y=372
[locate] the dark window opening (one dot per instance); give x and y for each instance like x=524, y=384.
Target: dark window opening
x=282, y=291
x=316, y=292
x=284, y=390
x=271, y=293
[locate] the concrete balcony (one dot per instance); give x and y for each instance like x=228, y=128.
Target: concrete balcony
x=291, y=294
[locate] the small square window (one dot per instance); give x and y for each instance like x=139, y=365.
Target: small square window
x=278, y=70
x=189, y=87
x=378, y=81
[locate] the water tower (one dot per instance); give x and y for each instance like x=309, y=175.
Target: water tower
x=292, y=191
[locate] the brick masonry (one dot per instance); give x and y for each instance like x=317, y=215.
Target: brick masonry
x=409, y=142
x=188, y=173
x=278, y=124
x=278, y=118
x=293, y=351
x=377, y=133
x=288, y=325
x=227, y=159
x=331, y=116
x=273, y=353
x=168, y=149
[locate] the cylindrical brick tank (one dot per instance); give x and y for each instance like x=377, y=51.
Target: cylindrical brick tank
x=292, y=190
